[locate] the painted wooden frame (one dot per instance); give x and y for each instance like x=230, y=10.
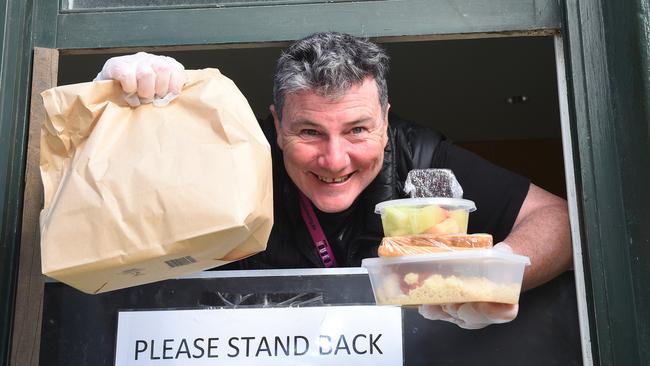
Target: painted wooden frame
x=605, y=48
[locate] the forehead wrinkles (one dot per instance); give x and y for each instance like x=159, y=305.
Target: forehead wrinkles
x=341, y=120
x=319, y=110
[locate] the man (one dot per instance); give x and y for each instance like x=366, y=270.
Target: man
x=335, y=142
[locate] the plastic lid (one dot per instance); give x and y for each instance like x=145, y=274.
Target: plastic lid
x=444, y=256
x=448, y=203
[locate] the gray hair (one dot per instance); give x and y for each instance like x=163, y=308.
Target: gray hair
x=329, y=64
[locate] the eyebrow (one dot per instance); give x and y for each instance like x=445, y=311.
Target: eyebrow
x=308, y=123
x=358, y=122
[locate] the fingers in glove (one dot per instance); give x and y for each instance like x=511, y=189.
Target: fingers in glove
x=177, y=78
x=163, y=71
x=502, y=247
x=124, y=72
x=451, y=309
x=498, y=313
x=465, y=315
x=146, y=78
x=470, y=317
x=480, y=314
x=434, y=312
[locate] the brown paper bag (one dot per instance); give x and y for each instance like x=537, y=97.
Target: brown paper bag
x=136, y=195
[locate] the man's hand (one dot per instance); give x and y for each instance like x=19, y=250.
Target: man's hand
x=146, y=78
x=471, y=315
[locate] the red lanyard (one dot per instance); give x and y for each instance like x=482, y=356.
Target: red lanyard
x=316, y=231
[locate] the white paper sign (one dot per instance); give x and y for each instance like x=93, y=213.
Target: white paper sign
x=341, y=335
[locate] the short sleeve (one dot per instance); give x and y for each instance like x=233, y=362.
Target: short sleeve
x=497, y=192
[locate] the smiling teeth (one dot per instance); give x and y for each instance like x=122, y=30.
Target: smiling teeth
x=334, y=180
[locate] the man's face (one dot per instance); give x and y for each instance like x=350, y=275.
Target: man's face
x=333, y=148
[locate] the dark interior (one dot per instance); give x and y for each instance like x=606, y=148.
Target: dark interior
x=496, y=96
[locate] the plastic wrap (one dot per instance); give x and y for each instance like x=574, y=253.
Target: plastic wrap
x=432, y=183
x=426, y=243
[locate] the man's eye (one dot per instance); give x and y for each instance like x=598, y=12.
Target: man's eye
x=309, y=132
x=356, y=130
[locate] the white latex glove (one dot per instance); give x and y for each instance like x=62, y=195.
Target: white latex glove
x=473, y=315
x=146, y=78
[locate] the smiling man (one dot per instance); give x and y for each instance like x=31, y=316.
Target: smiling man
x=337, y=152
x=333, y=147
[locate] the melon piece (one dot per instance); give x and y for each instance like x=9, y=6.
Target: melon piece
x=396, y=220
x=461, y=216
x=406, y=220
x=447, y=226
x=427, y=217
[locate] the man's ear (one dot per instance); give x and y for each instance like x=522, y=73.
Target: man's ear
x=386, y=115
x=385, y=127
x=276, y=122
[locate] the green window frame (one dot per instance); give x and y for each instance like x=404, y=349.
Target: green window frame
x=602, y=46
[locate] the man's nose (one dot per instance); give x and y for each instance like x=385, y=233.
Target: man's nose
x=334, y=156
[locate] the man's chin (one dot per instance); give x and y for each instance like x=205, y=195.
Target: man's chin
x=330, y=206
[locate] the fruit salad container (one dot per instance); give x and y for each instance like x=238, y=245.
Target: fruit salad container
x=446, y=278
x=413, y=216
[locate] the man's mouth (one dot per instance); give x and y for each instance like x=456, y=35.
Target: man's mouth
x=331, y=180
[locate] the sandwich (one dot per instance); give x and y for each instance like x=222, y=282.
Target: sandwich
x=393, y=246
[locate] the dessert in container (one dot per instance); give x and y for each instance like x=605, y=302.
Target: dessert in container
x=447, y=277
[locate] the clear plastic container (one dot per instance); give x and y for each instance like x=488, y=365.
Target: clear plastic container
x=445, y=278
x=413, y=216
